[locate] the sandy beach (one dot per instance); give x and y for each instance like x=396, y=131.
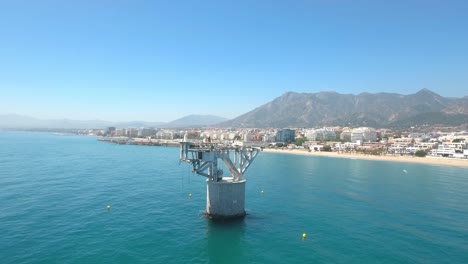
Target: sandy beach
x=426, y=160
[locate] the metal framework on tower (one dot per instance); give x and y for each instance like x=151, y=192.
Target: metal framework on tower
x=204, y=159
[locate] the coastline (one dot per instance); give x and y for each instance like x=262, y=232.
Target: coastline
x=426, y=160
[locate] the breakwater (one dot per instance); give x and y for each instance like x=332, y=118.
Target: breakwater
x=140, y=141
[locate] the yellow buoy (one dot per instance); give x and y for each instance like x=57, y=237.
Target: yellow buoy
x=261, y=192
x=189, y=195
x=108, y=207
x=304, y=235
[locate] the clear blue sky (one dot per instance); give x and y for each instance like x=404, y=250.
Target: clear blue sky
x=161, y=60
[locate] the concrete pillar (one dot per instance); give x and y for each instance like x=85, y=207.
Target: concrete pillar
x=225, y=198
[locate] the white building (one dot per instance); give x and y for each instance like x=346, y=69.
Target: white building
x=231, y=136
x=131, y=132
x=269, y=138
x=321, y=134
x=345, y=146
x=424, y=145
x=120, y=132
x=146, y=132
x=443, y=151
x=346, y=134
x=364, y=134
x=165, y=134
x=314, y=148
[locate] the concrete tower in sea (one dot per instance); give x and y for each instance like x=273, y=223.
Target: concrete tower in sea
x=225, y=196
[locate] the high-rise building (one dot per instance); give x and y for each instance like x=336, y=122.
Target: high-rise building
x=364, y=134
x=346, y=135
x=110, y=131
x=285, y=135
x=321, y=134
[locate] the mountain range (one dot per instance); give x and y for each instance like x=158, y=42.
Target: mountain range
x=14, y=121
x=366, y=109
x=301, y=110
x=195, y=121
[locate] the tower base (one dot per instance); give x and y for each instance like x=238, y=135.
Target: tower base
x=225, y=199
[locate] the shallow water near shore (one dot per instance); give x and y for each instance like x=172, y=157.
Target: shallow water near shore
x=54, y=191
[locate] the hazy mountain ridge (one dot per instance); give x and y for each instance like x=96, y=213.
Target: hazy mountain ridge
x=300, y=110
x=14, y=121
x=460, y=106
x=195, y=121
x=334, y=109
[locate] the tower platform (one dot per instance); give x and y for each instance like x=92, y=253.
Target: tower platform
x=225, y=196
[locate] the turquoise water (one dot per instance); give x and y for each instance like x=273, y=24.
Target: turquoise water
x=54, y=191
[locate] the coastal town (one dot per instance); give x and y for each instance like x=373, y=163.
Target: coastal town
x=339, y=140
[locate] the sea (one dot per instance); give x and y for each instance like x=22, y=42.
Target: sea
x=55, y=190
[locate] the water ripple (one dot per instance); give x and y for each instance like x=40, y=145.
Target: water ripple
x=54, y=192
